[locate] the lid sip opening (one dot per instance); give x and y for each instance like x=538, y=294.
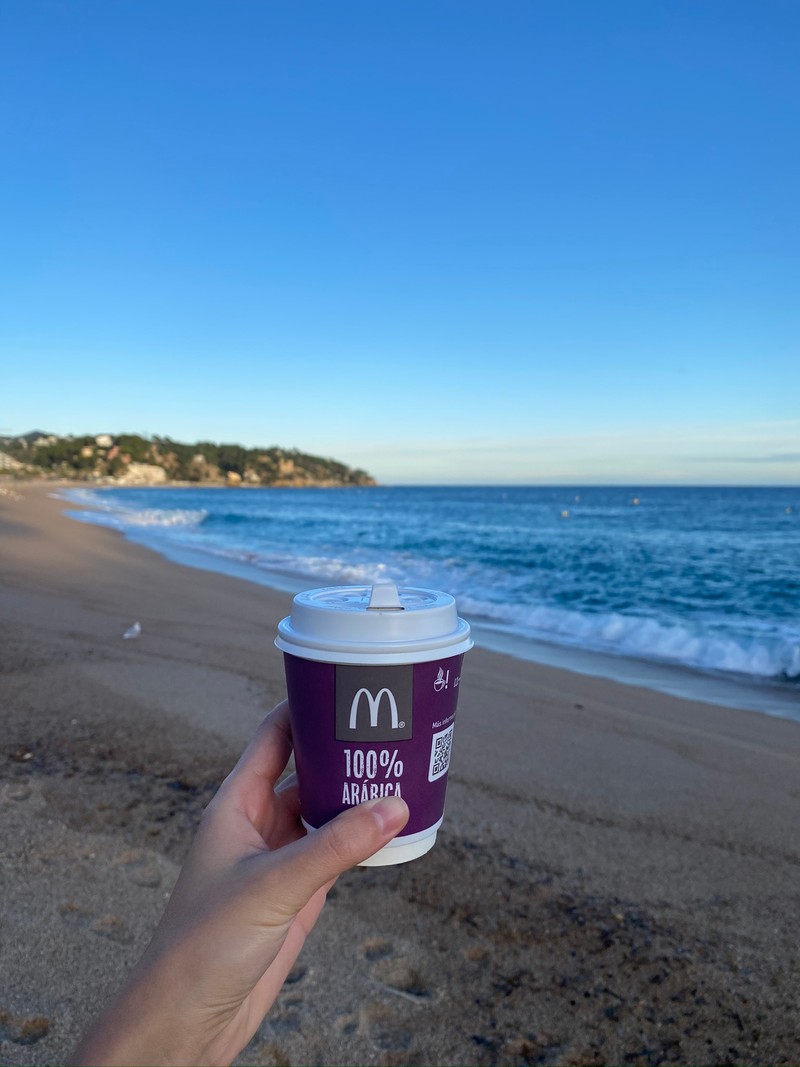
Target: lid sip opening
x=384, y=597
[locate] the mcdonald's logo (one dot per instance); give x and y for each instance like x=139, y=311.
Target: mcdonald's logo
x=374, y=703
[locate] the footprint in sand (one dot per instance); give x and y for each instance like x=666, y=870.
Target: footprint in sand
x=393, y=971
x=347, y=1023
x=475, y=953
x=388, y=1029
x=376, y=948
x=287, y=1014
x=285, y=1020
x=140, y=869
x=23, y=1029
x=401, y=978
x=18, y=791
x=110, y=926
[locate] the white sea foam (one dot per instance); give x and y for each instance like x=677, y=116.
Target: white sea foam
x=162, y=517
x=124, y=518
x=318, y=568
x=764, y=655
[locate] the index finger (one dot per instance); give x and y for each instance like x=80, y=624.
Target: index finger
x=265, y=758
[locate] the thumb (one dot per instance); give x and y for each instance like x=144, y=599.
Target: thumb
x=300, y=869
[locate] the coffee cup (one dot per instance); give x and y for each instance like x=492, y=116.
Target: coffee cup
x=373, y=674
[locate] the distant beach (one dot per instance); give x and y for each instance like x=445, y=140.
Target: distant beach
x=616, y=880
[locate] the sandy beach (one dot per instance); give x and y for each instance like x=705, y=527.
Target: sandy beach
x=617, y=879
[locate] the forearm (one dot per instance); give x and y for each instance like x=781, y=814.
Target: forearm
x=147, y=1022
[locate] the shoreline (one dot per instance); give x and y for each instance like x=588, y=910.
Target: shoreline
x=745, y=692
x=615, y=880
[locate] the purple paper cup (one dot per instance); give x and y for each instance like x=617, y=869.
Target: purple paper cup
x=373, y=675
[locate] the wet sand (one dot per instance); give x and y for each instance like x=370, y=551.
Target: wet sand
x=617, y=879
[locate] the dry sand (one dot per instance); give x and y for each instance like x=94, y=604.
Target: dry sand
x=617, y=880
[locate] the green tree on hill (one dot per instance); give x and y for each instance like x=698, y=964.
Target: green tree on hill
x=231, y=458
x=83, y=458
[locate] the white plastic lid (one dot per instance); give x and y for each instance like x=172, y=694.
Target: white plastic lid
x=373, y=624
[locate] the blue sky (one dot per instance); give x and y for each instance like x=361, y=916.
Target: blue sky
x=449, y=242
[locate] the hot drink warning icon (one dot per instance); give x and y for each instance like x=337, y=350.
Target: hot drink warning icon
x=442, y=680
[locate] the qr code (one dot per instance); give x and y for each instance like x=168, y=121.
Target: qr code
x=440, y=753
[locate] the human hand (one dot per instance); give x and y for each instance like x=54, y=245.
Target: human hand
x=250, y=891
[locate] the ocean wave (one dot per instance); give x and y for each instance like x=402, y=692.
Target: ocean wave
x=765, y=655
x=123, y=519
x=163, y=517
x=769, y=656
x=316, y=568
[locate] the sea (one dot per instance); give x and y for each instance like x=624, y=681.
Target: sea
x=693, y=591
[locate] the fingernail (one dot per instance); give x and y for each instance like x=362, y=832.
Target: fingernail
x=391, y=813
